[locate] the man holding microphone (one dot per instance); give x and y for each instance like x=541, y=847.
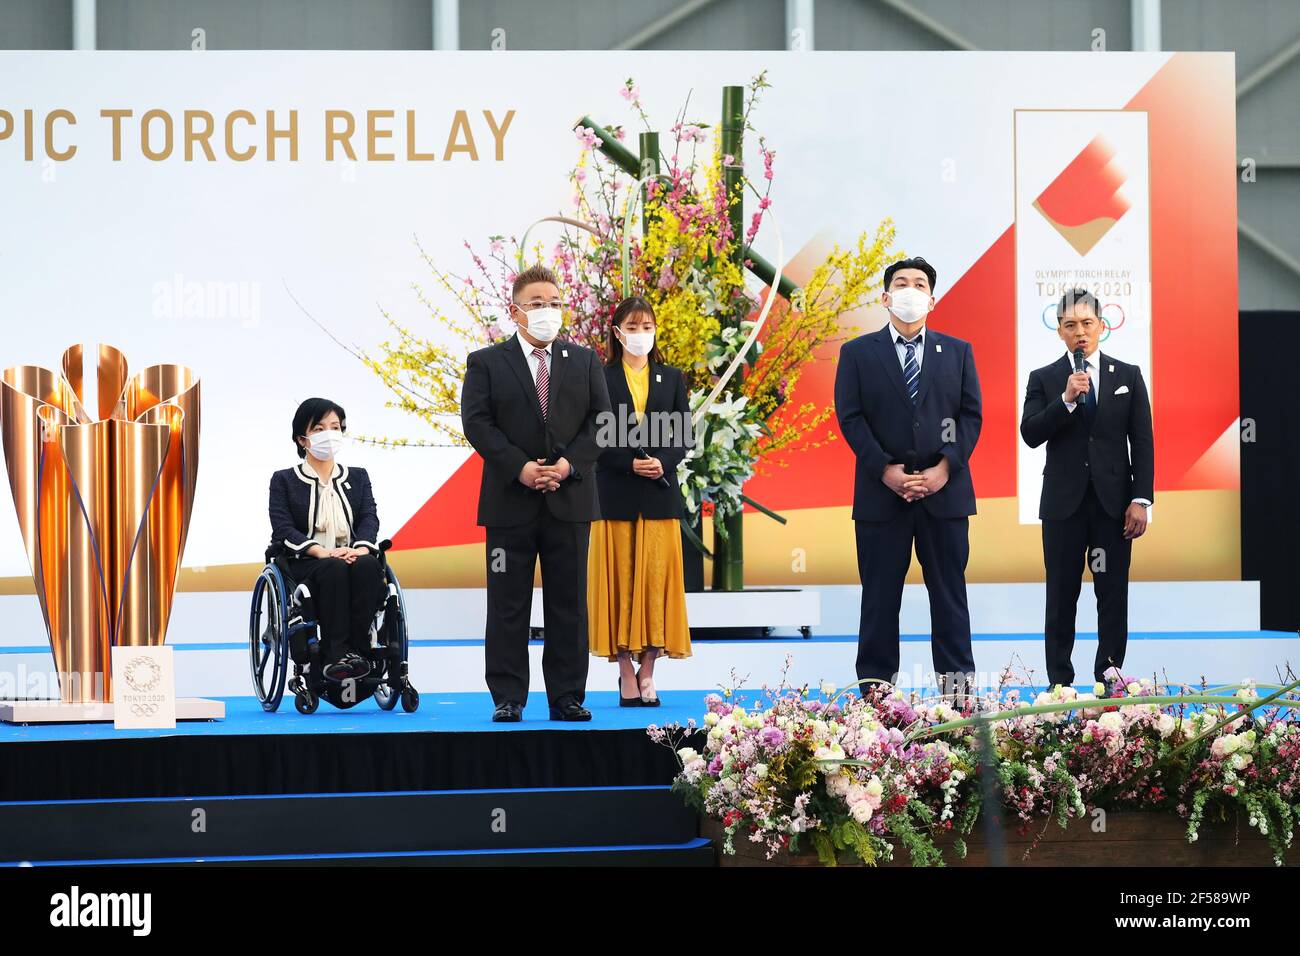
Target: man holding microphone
x=1094, y=414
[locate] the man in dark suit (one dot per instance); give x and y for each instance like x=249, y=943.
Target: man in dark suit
x=908, y=402
x=1095, y=498
x=529, y=406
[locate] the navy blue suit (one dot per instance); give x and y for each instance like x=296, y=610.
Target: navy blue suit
x=292, y=509
x=882, y=425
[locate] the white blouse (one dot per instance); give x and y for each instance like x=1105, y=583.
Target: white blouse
x=331, y=529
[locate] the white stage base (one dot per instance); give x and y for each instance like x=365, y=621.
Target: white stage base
x=788, y=608
x=57, y=712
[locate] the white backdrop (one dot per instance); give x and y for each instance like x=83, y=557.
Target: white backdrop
x=95, y=250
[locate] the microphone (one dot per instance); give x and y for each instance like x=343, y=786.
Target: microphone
x=909, y=463
x=662, y=480
x=1080, y=365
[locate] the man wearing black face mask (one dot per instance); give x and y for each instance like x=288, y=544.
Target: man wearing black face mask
x=1095, y=499
x=908, y=402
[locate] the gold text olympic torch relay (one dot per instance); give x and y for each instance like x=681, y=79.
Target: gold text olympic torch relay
x=104, y=504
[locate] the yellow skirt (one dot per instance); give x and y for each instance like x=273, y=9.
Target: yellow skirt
x=636, y=595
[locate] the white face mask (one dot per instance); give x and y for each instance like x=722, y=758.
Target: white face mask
x=638, y=343
x=909, y=305
x=544, y=324
x=325, y=444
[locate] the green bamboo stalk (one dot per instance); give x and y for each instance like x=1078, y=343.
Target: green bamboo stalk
x=765, y=271
x=622, y=157
x=757, y=507
x=728, y=541
x=649, y=167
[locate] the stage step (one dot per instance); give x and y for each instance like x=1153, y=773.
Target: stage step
x=695, y=852
x=436, y=825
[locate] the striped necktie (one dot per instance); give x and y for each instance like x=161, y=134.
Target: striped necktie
x=911, y=370
x=543, y=380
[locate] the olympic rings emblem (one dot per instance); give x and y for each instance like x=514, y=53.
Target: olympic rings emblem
x=1112, y=318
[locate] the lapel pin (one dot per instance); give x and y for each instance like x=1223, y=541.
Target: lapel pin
x=564, y=353
x=658, y=377
x=938, y=347
x=1110, y=368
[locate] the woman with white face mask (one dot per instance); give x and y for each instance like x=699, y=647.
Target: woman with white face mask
x=636, y=592
x=323, y=518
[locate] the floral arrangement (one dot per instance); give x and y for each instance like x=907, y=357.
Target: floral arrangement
x=683, y=257
x=864, y=772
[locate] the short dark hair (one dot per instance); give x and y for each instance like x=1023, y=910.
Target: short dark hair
x=632, y=305
x=309, y=413
x=538, y=273
x=1073, y=297
x=916, y=262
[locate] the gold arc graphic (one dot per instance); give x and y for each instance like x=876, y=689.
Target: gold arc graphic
x=103, y=504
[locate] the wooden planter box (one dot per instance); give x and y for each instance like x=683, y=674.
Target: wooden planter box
x=1130, y=839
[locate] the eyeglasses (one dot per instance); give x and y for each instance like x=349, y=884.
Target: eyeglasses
x=539, y=304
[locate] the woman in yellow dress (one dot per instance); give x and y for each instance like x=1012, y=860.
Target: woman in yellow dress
x=636, y=594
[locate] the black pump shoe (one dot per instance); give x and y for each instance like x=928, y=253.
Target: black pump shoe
x=627, y=701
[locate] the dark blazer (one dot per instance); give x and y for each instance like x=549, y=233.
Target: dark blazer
x=882, y=427
x=502, y=419
x=623, y=494
x=1075, y=453
x=293, y=505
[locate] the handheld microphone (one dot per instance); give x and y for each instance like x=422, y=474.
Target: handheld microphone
x=909, y=463
x=1079, y=364
x=662, y=480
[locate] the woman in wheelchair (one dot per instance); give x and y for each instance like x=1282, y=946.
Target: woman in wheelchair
x=323, y=520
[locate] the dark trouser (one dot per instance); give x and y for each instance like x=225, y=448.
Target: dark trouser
x=884, y=553
x=346, y=597
x=512, y=555
x=1092, y=537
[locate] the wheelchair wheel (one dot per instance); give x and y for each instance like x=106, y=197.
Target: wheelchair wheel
x=410, y=699
x=386, y=696
x=268, y=646
x=306, y=702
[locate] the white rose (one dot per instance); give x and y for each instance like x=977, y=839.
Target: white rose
x=1111, y=721
x=861, y=811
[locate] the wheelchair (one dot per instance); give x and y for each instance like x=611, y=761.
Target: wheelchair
x=282, y=631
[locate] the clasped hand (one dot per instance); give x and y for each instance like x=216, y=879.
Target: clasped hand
x=911, y=487
x=651, y=468
x=539, y=476
x=347, y=554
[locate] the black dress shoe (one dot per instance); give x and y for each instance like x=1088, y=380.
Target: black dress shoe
x=569, y=709
x=508, y=712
